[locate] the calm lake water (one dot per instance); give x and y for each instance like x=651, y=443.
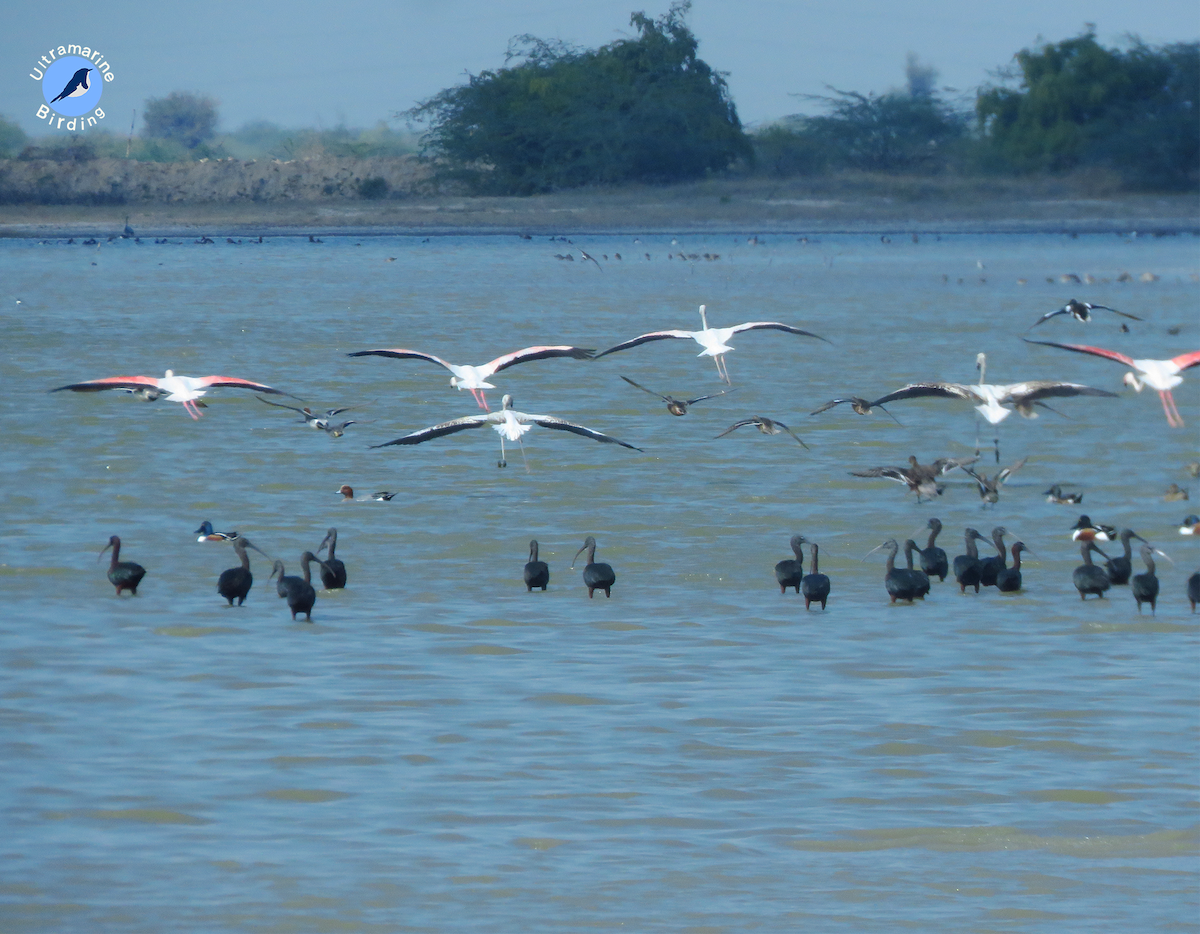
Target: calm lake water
x=442, y=751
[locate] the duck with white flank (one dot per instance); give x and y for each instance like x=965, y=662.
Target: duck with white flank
x=1160, y=375
x=766, y=426
x=790, y=571
x=184, y=389
x=315, y=421
x=124, y=575
x=1087, y=577
x=536, y=573
x=509, y=424
x=1080, y=311
x=921, y=479
x=235, y=583
x=475, y=378
x=1145, y=586
x=676, y=406
x=814, y=585
x=713, y=340
x=596, y=574
x=207, y=534
x=333, y=571
x=1190, y=526
x=1056, y=495
x=1084, y=530
x=347, y=493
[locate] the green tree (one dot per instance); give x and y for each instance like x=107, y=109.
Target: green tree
x=188, y=119
x=639, y=109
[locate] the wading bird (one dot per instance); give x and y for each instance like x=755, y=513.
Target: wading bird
x=989, y=487
x=899, y=583
x=967, y=567
x=1009, y=579
x=297, y=591
x=596, y=574
x=333, y=571
x=676, y=406
x=184, y=389
x=1087, y=577
x=933, y=558
x=509, y=424
x=919, y=478
x=1193, y=590
x=790, y=571
x=992, y=565
x=1120, y=568
x=713, y=340
x=475, y=378
x=1160, y=375
x=814, y=585
x=1080, y=311
x=1145, y=586
x=767, y=426
x=922, y=579
x=536, y=573
x=235, y=582
x=124, y=575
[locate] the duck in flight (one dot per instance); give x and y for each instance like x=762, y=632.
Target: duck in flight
x=767, y=426
x=509, y=424
x=921, y=479
x=1080, y=311
x=714, y=341
x=676, y=406
x=313, y=420
x=475, y=378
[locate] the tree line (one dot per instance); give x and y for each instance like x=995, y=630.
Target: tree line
x=647, y=109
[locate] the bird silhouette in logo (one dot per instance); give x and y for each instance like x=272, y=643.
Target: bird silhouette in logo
x=76, y=87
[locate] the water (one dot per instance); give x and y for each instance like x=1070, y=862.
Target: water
x=441, y=750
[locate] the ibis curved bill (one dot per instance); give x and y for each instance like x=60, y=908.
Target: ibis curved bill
x=475, y=378
x=184, y=389
x=714, y=341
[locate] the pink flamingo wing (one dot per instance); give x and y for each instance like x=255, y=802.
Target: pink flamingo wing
x=533, y=353
x=111, y=382
x=1094, y=351
x=399, y=353
x=1186, y=360
x=235, y=382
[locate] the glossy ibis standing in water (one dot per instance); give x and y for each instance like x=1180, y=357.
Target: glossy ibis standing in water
x=596, y=575
x=1008, y=579
x=1145, y=586
x=967, y=567
x=1193, y=590
x=1087, y=577
x=790, y=571
x=814, y=585
x=235, y=582
x=1121, y=567
x=537, y=573
x=933, y=559
x=992, y=565
x=921, y=578
x=124, y=575
x=298, y=591
x=899, y=583
x=333, y=572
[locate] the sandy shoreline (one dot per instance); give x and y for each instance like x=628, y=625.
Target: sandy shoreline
x=894, y=206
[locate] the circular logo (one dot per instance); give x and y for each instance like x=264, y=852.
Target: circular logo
x=72, y=86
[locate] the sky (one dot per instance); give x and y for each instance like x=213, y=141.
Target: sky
x=316, y=63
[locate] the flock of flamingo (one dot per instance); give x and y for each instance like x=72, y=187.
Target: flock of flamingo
x=994, y=402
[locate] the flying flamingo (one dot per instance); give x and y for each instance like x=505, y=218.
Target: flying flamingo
x=713, y=340
x=509, y=424
x=475, y=378
x=1162, y=375
x=185, y=389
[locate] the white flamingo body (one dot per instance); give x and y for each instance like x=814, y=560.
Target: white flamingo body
x=714, y=342
x=509, y=424
x=184, y=389
x=1160, y=375
x=475, y=378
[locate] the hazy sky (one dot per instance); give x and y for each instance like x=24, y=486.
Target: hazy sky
x=315, y=63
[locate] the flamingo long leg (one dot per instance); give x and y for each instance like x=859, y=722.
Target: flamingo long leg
x=503, y=459
x=1174, y=419
x=190, y=408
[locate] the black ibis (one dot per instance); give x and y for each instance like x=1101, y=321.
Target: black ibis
x=596, y=575
x=536, y=573
x=124, y=575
